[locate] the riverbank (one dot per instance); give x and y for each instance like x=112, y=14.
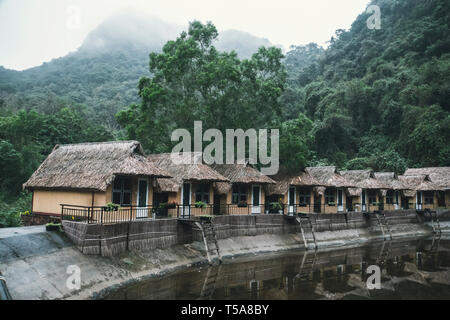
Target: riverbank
x=35, y=262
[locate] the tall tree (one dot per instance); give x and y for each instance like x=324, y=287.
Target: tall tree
x=192, y=81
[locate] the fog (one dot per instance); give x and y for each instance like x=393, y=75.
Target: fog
x=34, y=31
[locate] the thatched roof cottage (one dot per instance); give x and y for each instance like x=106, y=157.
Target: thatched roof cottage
x=93, y=174
x=368, y=192
x=439, y=176
x=329, y=196
x=294, y=190
x=246, y=185
x=394, y=189
x=421, y=190
x=190, y=183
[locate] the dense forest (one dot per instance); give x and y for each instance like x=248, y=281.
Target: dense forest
x=374, y=99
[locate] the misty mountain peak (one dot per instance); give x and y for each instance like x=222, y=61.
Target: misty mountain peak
x=132, y=30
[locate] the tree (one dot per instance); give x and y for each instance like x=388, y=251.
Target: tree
x=296, y=139
x=192, y=81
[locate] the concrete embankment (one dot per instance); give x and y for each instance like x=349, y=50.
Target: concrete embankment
x=236, y=234
x=35, y=262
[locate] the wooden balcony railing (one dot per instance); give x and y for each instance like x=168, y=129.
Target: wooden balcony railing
x=110, y=215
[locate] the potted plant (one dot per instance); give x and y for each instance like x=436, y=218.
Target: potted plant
x=242, y=204
x=276, y=206
x=53, y=227
x=331, y=204
x=25, y=213
x=161, y=210
x=162, y=206
x=171, y=205
x=200, y=204
x=111, y=207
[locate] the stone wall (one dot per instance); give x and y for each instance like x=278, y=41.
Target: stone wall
x=38, y=220
x=110, y=240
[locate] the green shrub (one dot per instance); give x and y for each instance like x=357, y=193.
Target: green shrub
x=10, y=212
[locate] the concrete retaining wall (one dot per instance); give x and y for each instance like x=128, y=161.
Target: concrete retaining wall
x=140, y=235
x=110, y=240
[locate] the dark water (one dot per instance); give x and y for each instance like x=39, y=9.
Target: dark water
x=410, y=270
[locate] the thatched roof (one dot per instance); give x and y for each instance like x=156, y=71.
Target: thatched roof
x=320, y=190
x=285, y=181
x=418, y=183
x=92, y=166
x=364, y=179
x=239, y=174
x=194, y=172
x=328, y=177
x=438, y=175
x=390, y=180
x=354, y=192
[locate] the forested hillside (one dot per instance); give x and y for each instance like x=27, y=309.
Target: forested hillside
x=379, y=98
x=373, y=99
x=103, y=74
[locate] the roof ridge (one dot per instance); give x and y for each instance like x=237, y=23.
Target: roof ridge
x=96, y=143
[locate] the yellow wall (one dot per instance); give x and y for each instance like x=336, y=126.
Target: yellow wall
x=48, y=201
x=324, y=208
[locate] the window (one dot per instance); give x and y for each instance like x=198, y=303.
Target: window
x=202, y=193
x=239, y=194
x=329, y=196
x=390, y=197
x=372, y=196
x=429, y=197
x=122, y=191
x=304, y=196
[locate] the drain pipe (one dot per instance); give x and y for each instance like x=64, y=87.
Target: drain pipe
x=4, y=292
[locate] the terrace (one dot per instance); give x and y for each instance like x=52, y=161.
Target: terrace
x=110, y=215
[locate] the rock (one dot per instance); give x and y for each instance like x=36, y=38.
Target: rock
x=128, y=261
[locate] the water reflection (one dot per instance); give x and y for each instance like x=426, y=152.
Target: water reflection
x=410, y=270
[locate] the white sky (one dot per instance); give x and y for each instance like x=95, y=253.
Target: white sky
x=35, y=31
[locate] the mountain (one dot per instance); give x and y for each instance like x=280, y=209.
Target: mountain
x=104, y=72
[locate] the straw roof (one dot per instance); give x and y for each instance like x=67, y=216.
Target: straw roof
x=364, y=179
x=285, y=181
x=239, y=174
x=354, y=192
x=92, y=166
x=438, y=175
x=390, y=180
x=328, y=177
x=195, y=171
x=418, y=183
